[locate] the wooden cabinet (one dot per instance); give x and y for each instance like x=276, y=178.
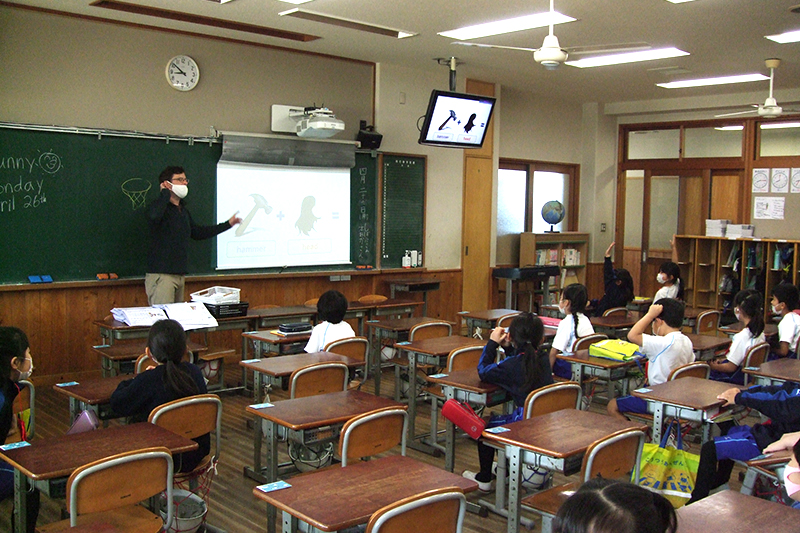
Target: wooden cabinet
x=568, y=250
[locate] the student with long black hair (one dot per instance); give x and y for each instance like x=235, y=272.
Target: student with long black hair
x=171, y=380
x=574, y=326
x=748, y=309
x=523, y=370
x=669, y=275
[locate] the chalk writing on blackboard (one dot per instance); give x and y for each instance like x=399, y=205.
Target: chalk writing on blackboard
x=136, y=189
x=20, y=190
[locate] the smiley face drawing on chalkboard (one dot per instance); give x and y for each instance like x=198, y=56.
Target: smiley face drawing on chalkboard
x=305, y=224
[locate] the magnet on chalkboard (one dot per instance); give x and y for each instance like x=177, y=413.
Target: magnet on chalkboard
x=35, y=279
x=102, y=275
x=112, y=275
x=47, y=279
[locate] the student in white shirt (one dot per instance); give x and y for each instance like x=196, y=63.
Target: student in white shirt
x=785, y=298
x=669, y=275
x=331, y=308
x=749, y=311
x=666, y=350
x=575, y=325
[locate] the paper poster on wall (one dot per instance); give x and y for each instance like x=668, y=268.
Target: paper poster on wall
x=769, y=208
x=760, y=180
x=795, y=180
x=780, y=180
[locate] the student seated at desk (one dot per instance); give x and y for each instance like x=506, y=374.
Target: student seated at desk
x=575, y=325
x=785, y=299
x=618, y=285
x=523, y=370
x=748, y=310
x=669, y=275
x=171, y=380
x=608, y=506
x=781, y=404
x=666, y=350
x=331, y=308
x=16, y=364
x=791, y=472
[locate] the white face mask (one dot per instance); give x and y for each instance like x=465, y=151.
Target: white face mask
x=26, y=375
x=775, y=310
x=180, y=190
x=738, y=316
x=661, y=278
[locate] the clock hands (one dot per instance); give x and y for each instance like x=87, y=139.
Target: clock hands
x=175, y=65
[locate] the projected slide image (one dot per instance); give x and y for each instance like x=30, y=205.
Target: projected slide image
x=291, y=216
x=459, y=120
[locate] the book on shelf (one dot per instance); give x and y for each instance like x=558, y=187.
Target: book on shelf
x=568, y=277
x=552, y=256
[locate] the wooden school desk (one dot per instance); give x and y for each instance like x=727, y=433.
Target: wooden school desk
x=272, y=317
x=614, y=326
x=309, y=420
x=113, y=355
x=266, y=342
x=640, y=304
x=764, y=466
x=540, y=274
x=334, y=499
x=584, y=365
x=422, y=285
x=775, y=372
x=555, y=441
x=93, y=394
x=394, y=329
x=276, y=369
x=432, y=352
x=692, y=399
x=731, y=512
x=770, y=330
x=705, y=347
x=46, y=461
x=486, y=320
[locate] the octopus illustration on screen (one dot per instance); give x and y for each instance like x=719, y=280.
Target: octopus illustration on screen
x=305, y=224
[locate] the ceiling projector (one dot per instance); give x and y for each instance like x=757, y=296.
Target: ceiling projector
x=318, y=123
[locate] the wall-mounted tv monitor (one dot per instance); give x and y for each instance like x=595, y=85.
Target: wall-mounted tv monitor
x=456, y=120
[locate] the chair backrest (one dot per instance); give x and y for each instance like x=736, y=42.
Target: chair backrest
x=440, y=510
x=311, y=303
x=119, y=481
x=144, y=362
x=191, y=417
x=369, y=299
x=464, y=358
x=583, y=343
x=551, y=398
x=430, y=330
x=505, y=320
x=353, y=347
x=692, y=370
x=707, y=321
x=319, y=378
x=616, y=311
x=372, y=433
x=755, y=356
x=614, y=456
x=25, y=407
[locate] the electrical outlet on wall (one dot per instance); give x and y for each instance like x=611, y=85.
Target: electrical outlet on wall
x=602, y=227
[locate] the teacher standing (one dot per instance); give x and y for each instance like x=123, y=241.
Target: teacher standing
x=171, y=226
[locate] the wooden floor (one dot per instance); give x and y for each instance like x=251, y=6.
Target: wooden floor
x=233, y=507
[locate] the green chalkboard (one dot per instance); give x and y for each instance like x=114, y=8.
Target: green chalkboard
x=72, y=205
x=363, y=209
x=403, y=208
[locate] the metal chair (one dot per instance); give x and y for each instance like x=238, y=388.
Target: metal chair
x=108, y=492
x=611, y=457
x=505, y=320
x=707, y=321
x=755, y=356
x=553, y=398
x=355, y=348
x=616, y=311
x=583, y=343
x=425, y=330
x=25, y=408
x=440, y=510
x=319, y=378
x=373, y=433
x=692, y=370
x=144, y=362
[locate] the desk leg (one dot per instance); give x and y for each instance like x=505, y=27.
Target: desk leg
x=20, y=502
x=290, y=523
x=658, y=421
x=514, y=480
x=377, y=346
x=509, y=293
x=412, y=397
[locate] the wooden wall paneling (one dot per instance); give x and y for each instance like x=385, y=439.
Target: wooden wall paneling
x=632, y=262
x=594, y=280
x=726, y=197
x=691, y=218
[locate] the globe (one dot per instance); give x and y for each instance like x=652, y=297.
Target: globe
x=553, y=213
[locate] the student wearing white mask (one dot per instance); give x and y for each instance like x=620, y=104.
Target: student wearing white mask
x=574, y=326
x=171, y=227
x=669, y=275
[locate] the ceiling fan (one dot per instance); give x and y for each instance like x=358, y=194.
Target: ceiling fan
x=551, y=55
x=770, y=107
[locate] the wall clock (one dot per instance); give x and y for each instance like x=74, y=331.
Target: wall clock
x=182, y=73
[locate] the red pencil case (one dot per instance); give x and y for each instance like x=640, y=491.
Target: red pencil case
x=462, y=415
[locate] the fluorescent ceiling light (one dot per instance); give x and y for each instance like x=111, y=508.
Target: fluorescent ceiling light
x=730, y=128
x=498, y=27
x=296, y=2
x=779, y=125
x=346, y=23
x=679, y=1
x=704, y=82
x=787, y=37
x=629, y=57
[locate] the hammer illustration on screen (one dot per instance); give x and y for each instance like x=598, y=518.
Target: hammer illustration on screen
x=448, y=119
x=261, y=203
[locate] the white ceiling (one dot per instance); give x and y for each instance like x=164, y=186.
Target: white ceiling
x=724, y=37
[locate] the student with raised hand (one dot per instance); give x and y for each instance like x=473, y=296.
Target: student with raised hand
x=331, y=308
x=608, y=506
x=748, y=309
x=618, y=285
x=170, y=380
x=785, y=299
x=666, y=349
x=669, y=275
x=575, y=325
x=16, y=364
x=523, y=370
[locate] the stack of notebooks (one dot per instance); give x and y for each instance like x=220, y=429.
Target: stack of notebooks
x=740, y=230
x=193, y=315
x=716, y=228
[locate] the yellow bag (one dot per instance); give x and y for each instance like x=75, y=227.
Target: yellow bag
x=615, y=349
x=670, y=471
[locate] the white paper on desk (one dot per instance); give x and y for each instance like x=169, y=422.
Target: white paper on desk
x=138, y=316
x=190, y=315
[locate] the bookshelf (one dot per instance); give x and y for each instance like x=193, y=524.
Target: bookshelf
x=568, y=250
